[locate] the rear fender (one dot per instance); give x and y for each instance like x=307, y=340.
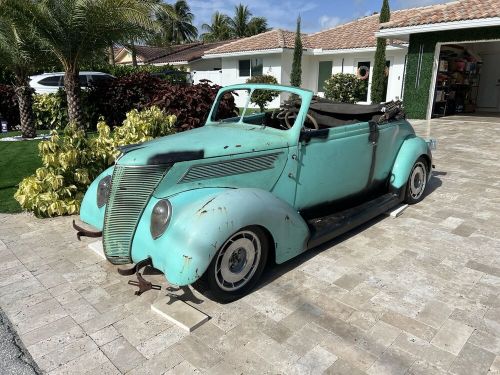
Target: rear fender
x=411, y=149
x=203, y=219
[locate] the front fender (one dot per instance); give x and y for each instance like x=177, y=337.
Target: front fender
x=411, y=149
x=203, y=219
x=89, y=212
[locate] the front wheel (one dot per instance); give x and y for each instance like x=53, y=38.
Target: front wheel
x=238, y=265
x=417, y=182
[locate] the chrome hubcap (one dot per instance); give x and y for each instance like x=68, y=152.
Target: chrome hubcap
x=418, y=180
x=237, y=261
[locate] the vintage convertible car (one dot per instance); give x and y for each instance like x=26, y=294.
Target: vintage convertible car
x=220, y=201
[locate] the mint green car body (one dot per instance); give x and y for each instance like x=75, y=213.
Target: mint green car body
x=269, y=176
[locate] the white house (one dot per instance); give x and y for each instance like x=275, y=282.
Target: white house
x=347, y=48
x=187, y=56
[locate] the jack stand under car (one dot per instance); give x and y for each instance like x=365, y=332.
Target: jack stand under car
x=141, y=282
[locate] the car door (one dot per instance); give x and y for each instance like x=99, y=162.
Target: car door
x=387, y=143
x=333, y=164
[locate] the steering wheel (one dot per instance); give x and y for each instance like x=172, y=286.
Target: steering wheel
x=291, y=115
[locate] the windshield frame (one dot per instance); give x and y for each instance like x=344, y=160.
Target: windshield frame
x=305, y=96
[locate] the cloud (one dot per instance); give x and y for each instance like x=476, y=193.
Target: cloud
x=327, y=22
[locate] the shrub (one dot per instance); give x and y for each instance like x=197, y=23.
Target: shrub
x=262, y=97
x=71, y=161
x=9, y=109
x=346, y=88
x=114, y=98
x=51, y=110
x=125, y=70
x=191, y=104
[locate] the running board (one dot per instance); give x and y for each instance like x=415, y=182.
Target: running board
x=326, y=228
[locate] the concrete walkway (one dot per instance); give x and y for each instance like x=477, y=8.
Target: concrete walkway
x=414, y=295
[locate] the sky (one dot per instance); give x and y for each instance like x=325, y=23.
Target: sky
x=316, y=15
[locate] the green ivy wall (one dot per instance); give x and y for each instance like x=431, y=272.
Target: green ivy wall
x=416, y=95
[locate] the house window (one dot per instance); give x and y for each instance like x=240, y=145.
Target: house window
x=257, y=65
x=251, y=67
x=325, y=72
x=244, y=67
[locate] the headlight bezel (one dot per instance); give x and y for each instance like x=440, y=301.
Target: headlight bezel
x=160, y=218
x=103, y=191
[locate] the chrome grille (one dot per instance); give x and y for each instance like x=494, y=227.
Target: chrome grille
x=131, y=188
x=230, y=167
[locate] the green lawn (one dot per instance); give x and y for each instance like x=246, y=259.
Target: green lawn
x=17, y=160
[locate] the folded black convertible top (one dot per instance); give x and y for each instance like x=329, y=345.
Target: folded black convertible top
x=327, y=106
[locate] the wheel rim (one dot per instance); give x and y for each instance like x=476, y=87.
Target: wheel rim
x=237, y=261
x=418, y=180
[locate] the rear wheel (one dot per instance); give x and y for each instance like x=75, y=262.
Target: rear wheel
x=238, y=265
x=417, y=182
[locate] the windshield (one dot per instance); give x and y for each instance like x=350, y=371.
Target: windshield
x=264, y=107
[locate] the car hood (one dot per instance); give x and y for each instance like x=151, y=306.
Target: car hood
x=205, y=142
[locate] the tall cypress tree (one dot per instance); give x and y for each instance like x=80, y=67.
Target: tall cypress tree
x=379, y=79
x=296, y=76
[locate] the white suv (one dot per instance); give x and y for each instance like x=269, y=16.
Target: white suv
x=51, y=82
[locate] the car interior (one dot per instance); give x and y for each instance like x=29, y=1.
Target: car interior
x=322, y=114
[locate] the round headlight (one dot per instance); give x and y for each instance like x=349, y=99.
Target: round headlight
x=103, y=190
x=160, y=218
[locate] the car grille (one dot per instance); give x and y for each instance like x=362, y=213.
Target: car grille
x=131, y=189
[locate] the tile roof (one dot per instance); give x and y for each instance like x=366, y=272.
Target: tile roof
x=146, y=54
x=273, y=39
x=194, y=52
x=355, y=34
x=455, y=11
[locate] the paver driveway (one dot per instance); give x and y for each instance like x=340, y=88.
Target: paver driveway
x=417, y=294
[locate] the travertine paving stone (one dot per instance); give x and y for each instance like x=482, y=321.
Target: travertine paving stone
x=413, y=295
x=179, y=313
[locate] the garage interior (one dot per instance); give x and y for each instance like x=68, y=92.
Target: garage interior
x=468, y=80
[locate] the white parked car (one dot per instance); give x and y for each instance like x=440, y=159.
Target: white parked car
x=47, y=83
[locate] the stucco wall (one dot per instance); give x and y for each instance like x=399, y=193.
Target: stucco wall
x=348, y=63
x=230, y=73
x=418, y=86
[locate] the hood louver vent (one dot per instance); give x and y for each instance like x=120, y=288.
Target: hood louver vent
x=230, y=167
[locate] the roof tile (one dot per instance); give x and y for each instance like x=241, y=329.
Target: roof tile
x=462, y=10
x=273, y=39
x=355, y=34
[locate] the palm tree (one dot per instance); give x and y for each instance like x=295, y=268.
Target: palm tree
x=257, y=25
x=218, y=30
x=183, y=29
x=176, y=23
x=73, y=30
x=18, y=49
x=240, y=20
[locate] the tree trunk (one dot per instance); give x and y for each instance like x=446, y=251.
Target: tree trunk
x=72, y=87
x=24, y=95
x=111, y=55
x=134, y=55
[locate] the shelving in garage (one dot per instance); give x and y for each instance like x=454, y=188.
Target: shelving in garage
x=457, y=82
